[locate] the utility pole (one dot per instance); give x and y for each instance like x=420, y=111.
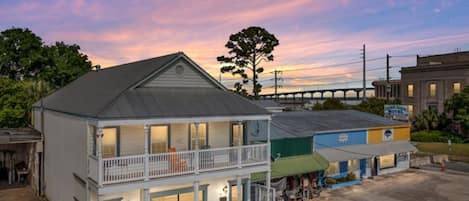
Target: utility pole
x=388, y=85
x=276, y=86
x=364, y=72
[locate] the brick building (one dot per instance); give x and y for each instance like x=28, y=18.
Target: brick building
x=434, y=79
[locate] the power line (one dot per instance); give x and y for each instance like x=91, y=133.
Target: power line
x=335, y=83
x=335, y=74
x=332, y=65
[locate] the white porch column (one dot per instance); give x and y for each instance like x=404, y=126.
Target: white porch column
x=240, y=124
x=267, y=183
x=99, y=154
x=100, y=197
x=196, y=148
x=239, y=188
x=146, y=130
x=145, y=194
x=196, y=190
x=248, y=186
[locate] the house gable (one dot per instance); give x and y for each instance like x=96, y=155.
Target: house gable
x=181, y=73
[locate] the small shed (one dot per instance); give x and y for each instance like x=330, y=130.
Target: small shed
x=20, y=157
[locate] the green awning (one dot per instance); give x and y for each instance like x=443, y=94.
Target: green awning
x=294, y=165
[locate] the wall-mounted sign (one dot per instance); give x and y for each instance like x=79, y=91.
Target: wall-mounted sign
x=388, y=134
x=343, y=137
x=402, y=157
x=396, y=112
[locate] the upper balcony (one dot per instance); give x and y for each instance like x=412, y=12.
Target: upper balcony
x=133, y=153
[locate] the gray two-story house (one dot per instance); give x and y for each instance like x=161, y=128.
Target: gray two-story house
x=157, y=129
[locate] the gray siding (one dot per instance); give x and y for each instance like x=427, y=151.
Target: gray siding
x=65, y=154
x=189, y=77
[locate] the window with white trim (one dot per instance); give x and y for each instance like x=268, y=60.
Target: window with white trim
x=333, y=168
x=159, y=139
x=457, y=87
x=410, y=90
x=109, y=142
x=387, y=161
x=432, y=88
x=202, y=131
x=353, y=165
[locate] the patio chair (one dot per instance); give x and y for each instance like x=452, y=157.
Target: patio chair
x=176, y=163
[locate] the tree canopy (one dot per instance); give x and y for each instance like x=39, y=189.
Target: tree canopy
x=247, y=50
x=14, y=103
x=330, y=104
x=457, y=108
x=66, y=63
x=30, y=70
x=22, y=54
x=374, y=105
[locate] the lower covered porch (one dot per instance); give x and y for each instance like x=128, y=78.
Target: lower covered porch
x=213, y=187
x=293, y=177
x=350, y=164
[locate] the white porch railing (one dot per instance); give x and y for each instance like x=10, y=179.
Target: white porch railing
x=93, y=171
x=132, y=168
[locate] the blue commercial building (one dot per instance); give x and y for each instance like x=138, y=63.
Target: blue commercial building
x=356, y=145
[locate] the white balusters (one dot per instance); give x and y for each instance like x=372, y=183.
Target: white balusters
x=133, y=168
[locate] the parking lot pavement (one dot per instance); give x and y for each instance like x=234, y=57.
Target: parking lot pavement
x=18, y=194
x=410, y=185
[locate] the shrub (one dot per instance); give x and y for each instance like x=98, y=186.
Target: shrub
x=351, y=176
x=330, y=181
x=435, y=136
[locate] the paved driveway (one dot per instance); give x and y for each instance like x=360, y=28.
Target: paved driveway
x=18, y=194
x=410, y=185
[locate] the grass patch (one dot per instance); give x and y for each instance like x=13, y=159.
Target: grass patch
x=443, y=148
x=435, y=136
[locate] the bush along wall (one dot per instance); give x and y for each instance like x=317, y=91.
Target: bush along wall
x=435, y=136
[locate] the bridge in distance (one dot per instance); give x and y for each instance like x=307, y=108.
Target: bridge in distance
x=300, y=97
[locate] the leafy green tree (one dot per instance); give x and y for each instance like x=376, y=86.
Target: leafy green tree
x=66, y=63
x=30, y=70
x=457, y=108
x=330, y=104
x=36, y=89
x=427, y=120
x=21, y=54
x=14, y=103
x=374, y=105
x=247, y=49
x=17, y=99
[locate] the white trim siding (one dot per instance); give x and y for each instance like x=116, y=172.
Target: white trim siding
x=117, y=122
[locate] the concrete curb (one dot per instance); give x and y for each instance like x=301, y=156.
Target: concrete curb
x=434, y=170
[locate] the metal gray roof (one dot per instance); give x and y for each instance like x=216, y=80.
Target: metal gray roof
x=109, y=93
x=18, y=135
x=179, y=102
x=267, y=103
x=308, y=123
x=365, y=150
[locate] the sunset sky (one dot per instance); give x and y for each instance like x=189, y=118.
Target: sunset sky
x=311, y=33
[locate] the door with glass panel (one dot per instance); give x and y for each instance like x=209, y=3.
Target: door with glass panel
x=234, y=193
x=110, y=142
x=202, y=132
x=237, y=130
x=159, y=135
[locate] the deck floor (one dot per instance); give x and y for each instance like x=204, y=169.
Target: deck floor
x=24, y=193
